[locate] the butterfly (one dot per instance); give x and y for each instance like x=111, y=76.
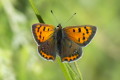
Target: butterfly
x=66, y=42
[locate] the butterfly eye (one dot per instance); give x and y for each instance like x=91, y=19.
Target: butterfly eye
x=59, y=25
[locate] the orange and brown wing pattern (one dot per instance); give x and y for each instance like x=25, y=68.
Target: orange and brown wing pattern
x=48, y=49
x=42, y=32
x=70, y=51
x=81, y=35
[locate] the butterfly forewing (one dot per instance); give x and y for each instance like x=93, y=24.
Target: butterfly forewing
x=42, y=32
x=81, y=35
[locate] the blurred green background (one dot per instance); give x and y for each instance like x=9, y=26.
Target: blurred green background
x=19, y=59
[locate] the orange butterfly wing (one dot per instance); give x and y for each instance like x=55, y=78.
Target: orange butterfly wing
x=74, y=38
x=81, y=35
x=44, y=35
x=42, y=32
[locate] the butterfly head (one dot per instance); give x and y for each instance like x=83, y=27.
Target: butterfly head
x=59, y=26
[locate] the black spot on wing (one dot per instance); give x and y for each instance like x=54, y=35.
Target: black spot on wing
x=38, y=29
x=51, y=58
x=83, y=34
x=65, y=60
x=83, y=37
x=79, y=29
x=44, y=29
x=40, y=32
x=78, y=39
x=48, y=29
x=43, y=38
x=73, y=30
x=70, y=60
x=40, y=36
x=86, y=30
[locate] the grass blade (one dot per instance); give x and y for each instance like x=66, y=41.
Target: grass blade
x=36, y=11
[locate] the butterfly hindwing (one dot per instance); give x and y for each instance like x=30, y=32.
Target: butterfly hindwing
x=70, y=51
x=81, y=35
x=48, y=49
x=42, y=32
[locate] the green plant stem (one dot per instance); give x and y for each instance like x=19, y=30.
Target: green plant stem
x=76, y=65
x=64, y=69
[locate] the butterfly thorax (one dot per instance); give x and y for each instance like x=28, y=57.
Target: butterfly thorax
x=59, y=37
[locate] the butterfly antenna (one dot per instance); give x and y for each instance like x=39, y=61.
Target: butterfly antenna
x=55, y=17
x=69, y=18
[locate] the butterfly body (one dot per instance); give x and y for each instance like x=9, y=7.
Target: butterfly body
x=66, y=42
x=59, y=38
